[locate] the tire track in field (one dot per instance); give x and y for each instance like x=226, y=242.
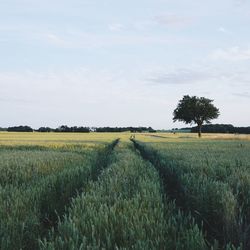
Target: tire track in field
x=172, y=188
x=123, y=209
x=169, y=178
x=50, y=220
x=101, y=162
x=172, y=193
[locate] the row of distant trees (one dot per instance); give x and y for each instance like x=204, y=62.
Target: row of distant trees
x=222, y=128
x=20, y=129
x=214, y=128
x=124, y=129
x=210, y=128
x=75, y=129
x=65, y=129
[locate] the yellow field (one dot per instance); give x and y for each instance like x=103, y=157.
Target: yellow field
x=20, y=138
x=17, y=138
x=163, y=137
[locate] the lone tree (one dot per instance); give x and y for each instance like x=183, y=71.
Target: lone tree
x=197, y=110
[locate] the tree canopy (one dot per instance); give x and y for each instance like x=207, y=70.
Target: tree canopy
x=20, y=129
x=195, y=110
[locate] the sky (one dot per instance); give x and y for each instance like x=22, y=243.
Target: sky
x=122, y=63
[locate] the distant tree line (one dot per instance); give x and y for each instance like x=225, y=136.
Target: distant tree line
x=210, y=128
x=222, y=128
x=20, y=129
x=65, y=129
x=124, y=129
x=75, y=129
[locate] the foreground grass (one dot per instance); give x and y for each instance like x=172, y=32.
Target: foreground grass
x=210, y=179
x=125, y=209
x=32, y=199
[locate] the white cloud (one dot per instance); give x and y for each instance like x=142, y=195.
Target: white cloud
x=224, y=30
x=143, y=25
x=116, y=27
x=74, y=87
x=181, y=76
x=173, y=20
x=243, y=95
x=202, y=75
x=240, y=2
x=231, y=54
x=56, y=40
x=79, y=39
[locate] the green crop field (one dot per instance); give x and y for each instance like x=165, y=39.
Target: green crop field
x=104, y=191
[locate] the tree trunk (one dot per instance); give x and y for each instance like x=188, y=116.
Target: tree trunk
x=199, y=130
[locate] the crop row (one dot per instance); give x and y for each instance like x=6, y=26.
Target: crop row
x=28, y=211
x=125, y=209
x=23, y=168
x=202, y=190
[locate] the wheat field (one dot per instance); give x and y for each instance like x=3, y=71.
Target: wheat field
x=104, y=191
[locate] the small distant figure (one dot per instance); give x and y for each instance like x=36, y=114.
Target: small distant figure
x=132, y=137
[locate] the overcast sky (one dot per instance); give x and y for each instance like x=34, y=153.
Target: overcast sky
x=122, y=63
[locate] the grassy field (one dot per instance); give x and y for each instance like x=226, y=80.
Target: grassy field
x=91, y=191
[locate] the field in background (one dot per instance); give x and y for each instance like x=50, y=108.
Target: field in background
x=157, y=137
x=47, y=139
x=162, y=191
x=17, y=138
